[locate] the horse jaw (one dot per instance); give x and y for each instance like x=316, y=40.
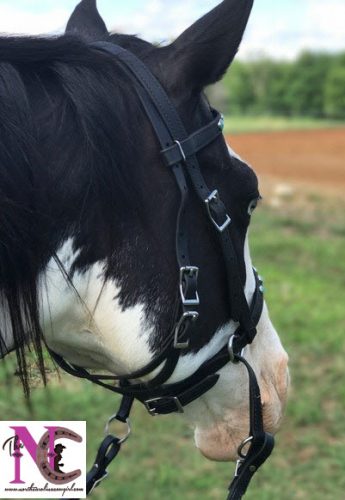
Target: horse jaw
x=221, y=416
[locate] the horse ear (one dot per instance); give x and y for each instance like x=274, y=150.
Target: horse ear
x=86, y=21
x=202, y=54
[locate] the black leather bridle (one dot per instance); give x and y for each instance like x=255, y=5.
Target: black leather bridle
x=179, y=152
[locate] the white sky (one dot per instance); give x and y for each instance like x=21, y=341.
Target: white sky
x=279, y=28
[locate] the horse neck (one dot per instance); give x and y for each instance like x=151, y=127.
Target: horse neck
x=43, y=184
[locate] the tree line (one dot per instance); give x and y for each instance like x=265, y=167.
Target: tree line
x=313, y=85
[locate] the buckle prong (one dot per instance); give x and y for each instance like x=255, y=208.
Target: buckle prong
x=179, y=145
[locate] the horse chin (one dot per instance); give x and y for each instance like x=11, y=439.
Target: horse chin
x=219, y=444
x=221, y=440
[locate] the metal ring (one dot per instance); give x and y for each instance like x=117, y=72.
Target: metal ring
x=126, y=436
x=231, y=349
x=242, y=445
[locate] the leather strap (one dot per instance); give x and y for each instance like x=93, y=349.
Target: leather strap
x=164, y=405
x=261, y=443
x=109, y=448
x=107, y=451
x=181, y=151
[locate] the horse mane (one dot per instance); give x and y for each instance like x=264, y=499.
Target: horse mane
x=63, y=117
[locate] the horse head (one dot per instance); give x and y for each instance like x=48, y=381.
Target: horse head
x=107, y=279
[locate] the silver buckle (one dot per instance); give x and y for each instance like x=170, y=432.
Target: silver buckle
x=153, y=410
x=215, y=196
x=193, y=315
x=190, y=270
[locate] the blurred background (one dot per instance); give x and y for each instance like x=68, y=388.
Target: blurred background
x=284, y=101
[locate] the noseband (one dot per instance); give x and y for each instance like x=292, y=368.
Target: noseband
x=179, y=153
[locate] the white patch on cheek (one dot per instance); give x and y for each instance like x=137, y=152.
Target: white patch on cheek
x=94, y=332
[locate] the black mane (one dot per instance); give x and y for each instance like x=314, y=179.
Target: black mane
x=69, y=139
x=79, y=160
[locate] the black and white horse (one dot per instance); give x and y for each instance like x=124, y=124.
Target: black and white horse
x=88, y=214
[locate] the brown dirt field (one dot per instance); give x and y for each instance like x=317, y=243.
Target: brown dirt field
x=314, y=158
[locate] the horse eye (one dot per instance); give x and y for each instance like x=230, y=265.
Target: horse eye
x=253, y=204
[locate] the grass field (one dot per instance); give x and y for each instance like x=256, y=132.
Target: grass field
x=241, y=123
x=302, y=256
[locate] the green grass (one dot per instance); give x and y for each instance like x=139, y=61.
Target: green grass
x=303, y=262
x=241, y=124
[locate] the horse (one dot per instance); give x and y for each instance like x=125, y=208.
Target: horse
x=88, y=212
